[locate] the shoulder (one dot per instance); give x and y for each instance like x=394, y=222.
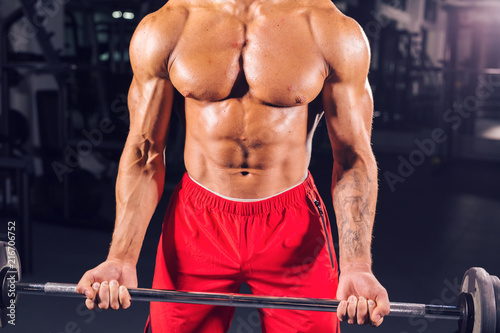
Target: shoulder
x=340, y=39
x=156, y=36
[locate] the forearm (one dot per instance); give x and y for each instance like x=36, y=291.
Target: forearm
x=354, y=189
x=139, y=188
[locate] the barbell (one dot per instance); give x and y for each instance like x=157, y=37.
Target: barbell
x=478, y=309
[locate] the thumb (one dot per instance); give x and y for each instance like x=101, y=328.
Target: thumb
x=381, y=310
x=342, y=292
x=84, y=287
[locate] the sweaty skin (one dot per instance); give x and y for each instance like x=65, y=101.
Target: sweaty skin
x=248, y=70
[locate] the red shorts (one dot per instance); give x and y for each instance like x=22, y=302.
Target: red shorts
x=278, y=246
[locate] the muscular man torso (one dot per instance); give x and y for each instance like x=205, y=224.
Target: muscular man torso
x=248, y=73
x=248, y=70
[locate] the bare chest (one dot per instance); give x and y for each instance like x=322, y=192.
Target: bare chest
x=273, y=57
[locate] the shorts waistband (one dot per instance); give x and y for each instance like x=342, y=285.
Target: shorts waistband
x=207, y=198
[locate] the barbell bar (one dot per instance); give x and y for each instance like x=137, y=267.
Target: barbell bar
x=244, y=300
x=477, y=310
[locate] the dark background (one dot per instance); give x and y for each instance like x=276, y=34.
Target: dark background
x=435, y=76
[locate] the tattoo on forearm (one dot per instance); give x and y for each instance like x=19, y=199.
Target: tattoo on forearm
x=356, y=184
x=352, y=204
x=353, y=243
x=358, y=208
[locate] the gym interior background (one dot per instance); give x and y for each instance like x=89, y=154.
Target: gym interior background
x=435, y=75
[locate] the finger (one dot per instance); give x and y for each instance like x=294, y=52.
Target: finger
x=92, y=301
x=95, y=289
x=104, y=296
x=125, y=299
x=113, y=295
x=372, y=314
x=351, y=310
x=362, y=311
x=342, y=311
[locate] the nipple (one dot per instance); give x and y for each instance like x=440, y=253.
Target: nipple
x=300, y=99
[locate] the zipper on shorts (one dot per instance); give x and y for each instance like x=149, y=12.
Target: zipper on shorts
x=321, y=214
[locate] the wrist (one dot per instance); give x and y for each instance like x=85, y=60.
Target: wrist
x=124, y=249
x=122, y=258
x=358, y=265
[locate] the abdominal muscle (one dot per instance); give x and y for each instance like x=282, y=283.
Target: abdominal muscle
x=241, y=148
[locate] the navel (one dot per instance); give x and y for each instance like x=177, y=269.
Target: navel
x=238, y=43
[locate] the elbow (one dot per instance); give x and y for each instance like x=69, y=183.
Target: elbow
x=145, y=154
x=351, y=157
x=150, y=154
x=355, y=167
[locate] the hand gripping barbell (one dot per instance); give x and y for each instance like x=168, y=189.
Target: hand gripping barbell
x=477, y=311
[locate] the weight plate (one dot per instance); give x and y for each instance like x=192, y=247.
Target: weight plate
x=496, y=285
x=479, y=284
x=466, y=303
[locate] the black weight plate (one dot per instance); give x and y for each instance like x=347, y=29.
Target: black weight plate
x=479, y=284
x=466, y=303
